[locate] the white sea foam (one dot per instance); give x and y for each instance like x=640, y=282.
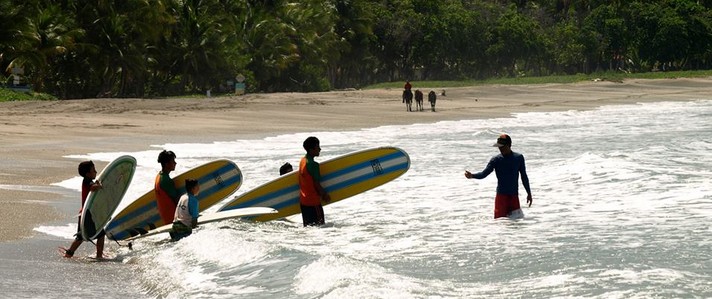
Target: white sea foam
x=622, y=201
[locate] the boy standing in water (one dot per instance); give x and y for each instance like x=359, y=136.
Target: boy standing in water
x=507, y=165
x=311, y=193
x=87, y=170
x=166, y=193
x=186, y=216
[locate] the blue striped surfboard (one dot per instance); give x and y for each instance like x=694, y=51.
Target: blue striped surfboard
x=342, y=177
x=217, y=179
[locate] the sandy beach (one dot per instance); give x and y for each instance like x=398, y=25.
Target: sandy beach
x=37, y=135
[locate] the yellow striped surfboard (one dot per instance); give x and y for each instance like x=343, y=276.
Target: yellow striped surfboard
x=342, y=177
x=217, y=179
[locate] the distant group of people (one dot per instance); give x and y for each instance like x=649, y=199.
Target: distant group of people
x=182, y=211
x=408, y=96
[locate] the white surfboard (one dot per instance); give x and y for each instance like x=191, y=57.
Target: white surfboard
x=102, y=203
x=212, y=217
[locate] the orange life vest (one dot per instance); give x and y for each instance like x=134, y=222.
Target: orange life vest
x=308, y=195
x=166, y=206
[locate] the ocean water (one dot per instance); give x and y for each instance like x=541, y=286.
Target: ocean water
x=622, y=209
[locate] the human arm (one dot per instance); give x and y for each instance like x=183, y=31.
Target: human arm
x=313, y=169
x=193, y=210
x=484, y=173
x=525, y=181
x=96, y=185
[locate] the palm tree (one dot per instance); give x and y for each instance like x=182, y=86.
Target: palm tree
x=48, y=34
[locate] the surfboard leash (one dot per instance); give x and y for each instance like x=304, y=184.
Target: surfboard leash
x=129, y=245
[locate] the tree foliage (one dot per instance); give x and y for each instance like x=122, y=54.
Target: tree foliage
x=147, y=48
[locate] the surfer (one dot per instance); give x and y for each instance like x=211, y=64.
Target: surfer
x=166, y=193
x=186, y=215
x=507, y=165
x=311, y=193
x=88, y=172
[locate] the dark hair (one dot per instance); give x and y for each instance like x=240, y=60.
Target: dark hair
x=310, y=143
x=504, y=139
x=166, y=156
x=190, y=184
x=286, y=167
x=85, y=167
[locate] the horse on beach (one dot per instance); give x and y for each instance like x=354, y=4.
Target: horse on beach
x=431, y=98
x=418, y=100
x=408, y=99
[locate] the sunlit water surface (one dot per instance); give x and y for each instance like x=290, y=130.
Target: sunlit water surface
x=622, y=209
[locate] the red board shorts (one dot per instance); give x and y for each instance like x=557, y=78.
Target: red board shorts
x=505, y=204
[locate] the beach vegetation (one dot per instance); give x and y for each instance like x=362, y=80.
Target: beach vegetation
x=561, y=79
x=158, y=48
x=8, y=95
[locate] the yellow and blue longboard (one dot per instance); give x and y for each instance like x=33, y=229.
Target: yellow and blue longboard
x=217, y=180
x=342, y=177
x=102, y=203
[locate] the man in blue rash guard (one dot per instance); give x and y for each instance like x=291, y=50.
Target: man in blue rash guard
x=507, y=166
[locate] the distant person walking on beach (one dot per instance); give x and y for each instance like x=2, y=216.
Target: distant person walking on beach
x=87, y=170
x=408, y=99
x=166, y=193
x=311, y=193
x=507, y=165
x=186, y=215
x=432, y=97
x=408, y=96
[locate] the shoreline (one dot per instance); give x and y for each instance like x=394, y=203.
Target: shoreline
x=37, y=135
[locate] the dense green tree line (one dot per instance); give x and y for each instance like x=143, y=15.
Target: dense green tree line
x=143, y=48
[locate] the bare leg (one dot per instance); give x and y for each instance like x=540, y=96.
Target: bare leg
x=72, y=248
x=100, y=248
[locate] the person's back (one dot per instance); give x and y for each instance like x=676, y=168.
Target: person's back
x=507, y=169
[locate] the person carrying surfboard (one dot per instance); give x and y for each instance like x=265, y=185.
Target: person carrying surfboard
x=507, y=165
x=166, y=193
x=87, y=170
x=311, y=193
x=186, y=215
